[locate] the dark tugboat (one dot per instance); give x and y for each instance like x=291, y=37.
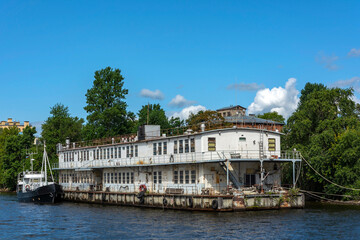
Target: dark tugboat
x=34, y=186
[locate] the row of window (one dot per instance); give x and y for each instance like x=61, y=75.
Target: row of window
x=102, y=153
x=185, y=177
x=118, y=177
x=76, y=178
x=184, y=146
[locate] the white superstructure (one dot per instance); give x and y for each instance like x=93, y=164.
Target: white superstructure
x=207, y=161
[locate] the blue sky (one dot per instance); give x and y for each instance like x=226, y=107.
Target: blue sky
x=197, y=54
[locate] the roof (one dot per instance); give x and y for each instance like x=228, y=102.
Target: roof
x=230, y=107
x=250, y=119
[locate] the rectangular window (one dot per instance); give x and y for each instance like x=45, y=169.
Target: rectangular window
x=155, y=177
x=127, y=151
x=115, y=151
x=132, y=151
x=193, y=176
x=249, y=180
x=176, y=177
x=94, y=154
x=181, y=146
x=123, y=181
x=127, y=177
x=136, y=151
x=181, y=180
x=187, y=177
x=175, y=147
x=119, y=152
x=108, y=178
x=159, y=177
x=154, y=148
x=186, y=145
x=211, y=144
x=108, y=153
x=112, y=177
x=242, y=139
x=132, y=177
x=112, y=153
x=115, y=177
x=105, y=178
x=97, y=153
x=165, y=148
x=272, y=146
x=192, y=143
x=101, y=155
x=159, y=148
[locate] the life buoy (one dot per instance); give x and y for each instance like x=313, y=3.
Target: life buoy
x=27, y=187
x=142, y=188
x=214, y=204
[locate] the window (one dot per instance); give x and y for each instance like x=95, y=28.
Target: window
x=132, y=177
x=124, y=178
x=128, y=177
x=176, y=177
x=97, y=153
x=127, y=151
x=154, y=148
x=181, y=147
x=112, y=153
x=186, y=145
x=132, y=151
x=159, y=177
x=175, y=147
x=119, y=152
x=108, y=153
x=115, y=177
x=119, y=177
x=94, y=154
x=165, y=148
x=211, y=144
x=101, y=154
x=192, y=143
x=187, y=177
x=193, y=176
x=181, y=177
x=159, y=148
x=242, y=139
x=136, y=151
x=155, y=177
x=112, y=177
x=272, y=146
x=115, y=151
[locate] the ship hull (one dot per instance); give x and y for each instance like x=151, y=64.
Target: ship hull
x=51, y=193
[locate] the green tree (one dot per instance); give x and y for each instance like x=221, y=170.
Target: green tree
x=153, y=114
x=176, y=122
x=209, y=117
x=274, y=116
x=106, y=106
x=58, y=127
x=325, y=128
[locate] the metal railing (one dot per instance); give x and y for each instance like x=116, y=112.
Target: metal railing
x=194, y=157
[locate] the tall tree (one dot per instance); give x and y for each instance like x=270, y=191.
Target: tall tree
x=58, y=127
x=106, y=106
x=208, y=116
x=153, y=114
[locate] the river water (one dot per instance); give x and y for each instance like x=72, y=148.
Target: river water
x=91, y=221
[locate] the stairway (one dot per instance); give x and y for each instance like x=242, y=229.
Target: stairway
x=232, y=174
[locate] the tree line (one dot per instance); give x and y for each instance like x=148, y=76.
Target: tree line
x=325, y=128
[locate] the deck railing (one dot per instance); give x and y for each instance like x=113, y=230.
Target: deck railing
x=194, y=157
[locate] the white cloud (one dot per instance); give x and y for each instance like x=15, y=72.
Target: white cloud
x=354, y=52
x=327, y=61
x=245, y=86
x=353, y=82
x=185, y=113
x=180, y=101
x=157, y=94
x=282, y=100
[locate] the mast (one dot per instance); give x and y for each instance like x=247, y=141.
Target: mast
x=45, y=163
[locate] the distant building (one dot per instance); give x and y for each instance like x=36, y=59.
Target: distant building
x=10, y=123
x=232, y=111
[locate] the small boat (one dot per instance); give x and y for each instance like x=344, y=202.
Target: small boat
x=34, y=186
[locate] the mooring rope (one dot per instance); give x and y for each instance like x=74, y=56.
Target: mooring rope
x=348, y=188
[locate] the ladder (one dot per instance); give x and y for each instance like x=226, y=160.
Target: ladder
x=261, y=145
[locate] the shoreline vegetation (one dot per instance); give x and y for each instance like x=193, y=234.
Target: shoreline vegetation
x=325, y=128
